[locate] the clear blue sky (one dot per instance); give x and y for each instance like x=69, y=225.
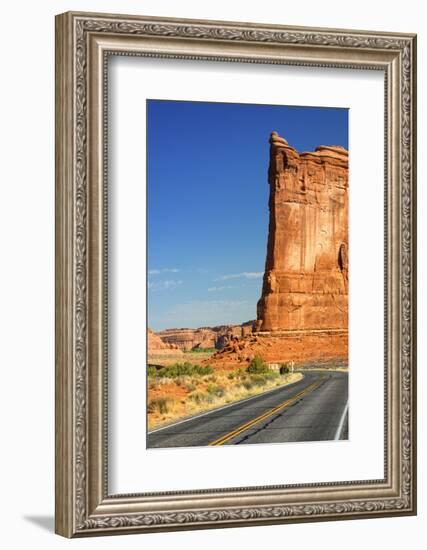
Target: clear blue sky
x=208, y=203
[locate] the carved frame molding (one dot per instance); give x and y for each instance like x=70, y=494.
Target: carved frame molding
x=83, y=44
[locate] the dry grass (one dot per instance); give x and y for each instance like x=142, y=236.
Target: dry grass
x=171, y=359
x=170, y=399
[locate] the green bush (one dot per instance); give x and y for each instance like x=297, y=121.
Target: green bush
x=257, y=366
x=184, y=369
x=239, y=373
x=151, y=372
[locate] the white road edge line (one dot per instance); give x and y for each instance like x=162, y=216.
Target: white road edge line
x=341, y=424
x=224, y=407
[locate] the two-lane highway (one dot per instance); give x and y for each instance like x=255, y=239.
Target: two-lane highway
x=312, y=409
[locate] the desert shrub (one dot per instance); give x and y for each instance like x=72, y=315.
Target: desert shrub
x=190, y=387
x=262, y=379
x=184, y=369
x=239, y=373
x=200, y=397
x=284, y=369
x=217, y=391
x=257, y=365
x=160, y=404
x=151, y=372
x=271, y=375
x=257, y=380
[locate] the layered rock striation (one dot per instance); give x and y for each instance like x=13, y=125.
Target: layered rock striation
x=305, y=284
x=157, y=346
x=205, y=337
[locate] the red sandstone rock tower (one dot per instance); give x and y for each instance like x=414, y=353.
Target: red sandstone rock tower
x=306, y=272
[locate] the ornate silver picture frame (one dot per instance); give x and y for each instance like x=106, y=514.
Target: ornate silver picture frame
x=84, y=505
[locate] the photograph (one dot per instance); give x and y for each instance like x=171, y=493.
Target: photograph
x=247, y=273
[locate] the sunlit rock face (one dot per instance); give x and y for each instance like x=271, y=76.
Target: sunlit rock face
x=305, y=283
x=155, y=345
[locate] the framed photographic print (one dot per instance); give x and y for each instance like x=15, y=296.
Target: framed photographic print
x=235, y=274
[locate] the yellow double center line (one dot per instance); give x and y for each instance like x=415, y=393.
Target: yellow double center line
x=223, y=439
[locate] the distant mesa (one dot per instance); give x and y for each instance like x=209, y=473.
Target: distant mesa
x=157, y=346
x=204, y=337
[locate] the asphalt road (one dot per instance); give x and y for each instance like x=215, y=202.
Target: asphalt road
x=313, y=409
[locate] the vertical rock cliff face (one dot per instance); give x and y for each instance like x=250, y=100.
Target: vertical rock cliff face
x=306, y=273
